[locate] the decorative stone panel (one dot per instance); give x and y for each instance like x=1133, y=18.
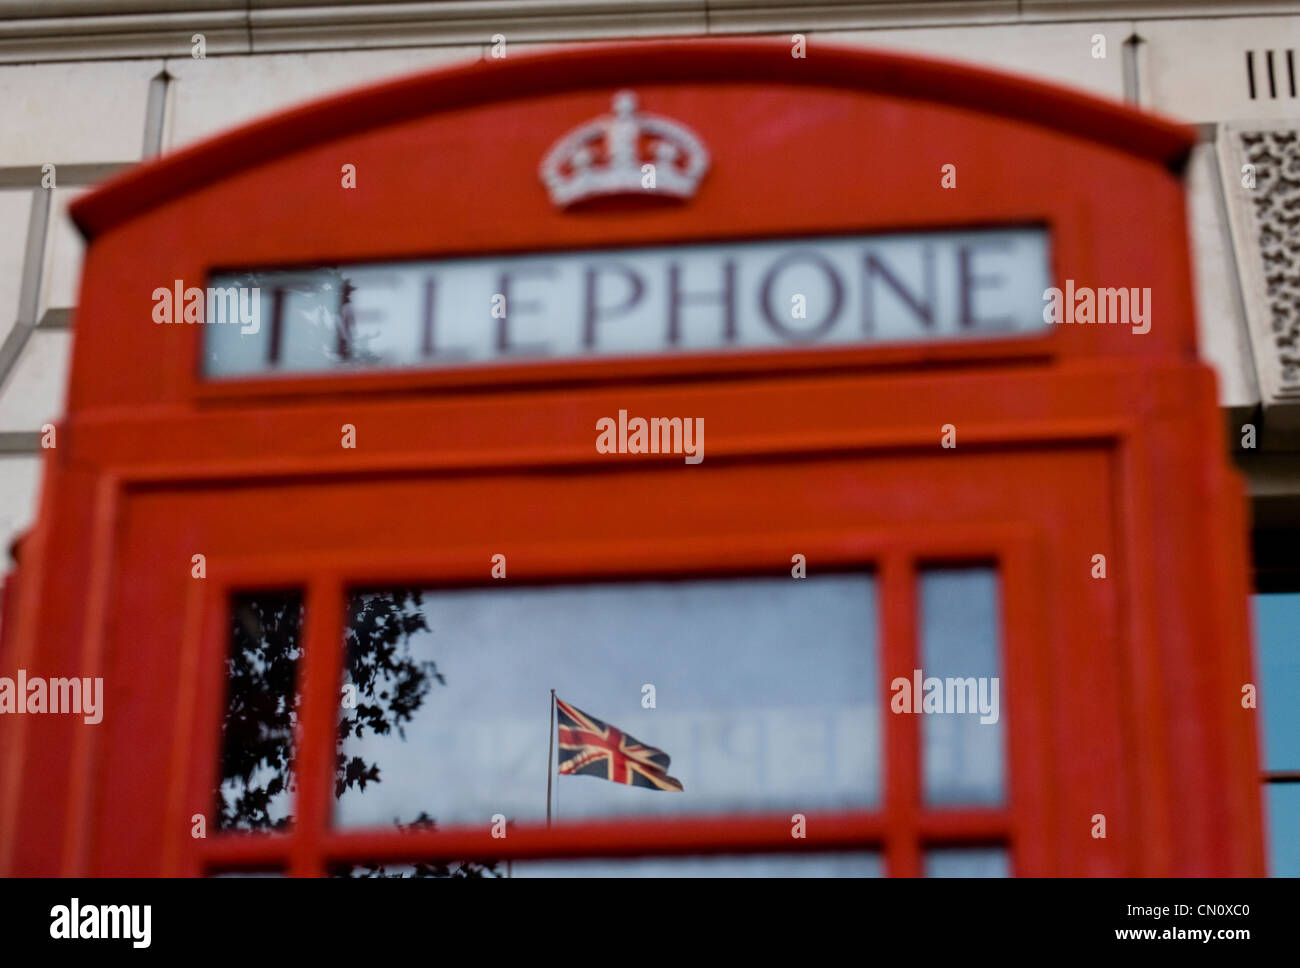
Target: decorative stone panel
x=1261, y=175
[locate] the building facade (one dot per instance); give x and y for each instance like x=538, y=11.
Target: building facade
x=90, y=89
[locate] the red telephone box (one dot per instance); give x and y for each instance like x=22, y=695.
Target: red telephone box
x=515, y=260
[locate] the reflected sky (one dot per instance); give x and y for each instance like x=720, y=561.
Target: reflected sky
x=762, y=865
x=960, y=636
x=766, y=698
x=967, y=862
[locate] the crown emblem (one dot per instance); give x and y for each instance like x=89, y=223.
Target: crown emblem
x=606, y=156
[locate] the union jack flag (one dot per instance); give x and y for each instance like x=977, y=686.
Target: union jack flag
x=593, y=748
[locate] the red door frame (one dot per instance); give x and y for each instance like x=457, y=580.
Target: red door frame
x=1176, y=770
x=896, y=828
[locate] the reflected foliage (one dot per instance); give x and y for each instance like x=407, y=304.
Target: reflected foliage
x=261, y=710
x=386, y=686
x=464, y=869
x=390, y=685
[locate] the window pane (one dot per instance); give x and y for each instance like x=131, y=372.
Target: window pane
x=1277, y=621
x=762, y=691
x=961, y=725
x=354, y=316
x=1282, y=801
x=857, y=864
x=967, y=862
x=454, y=869
x=261, y=714
x=226, y=874
x=751, y=865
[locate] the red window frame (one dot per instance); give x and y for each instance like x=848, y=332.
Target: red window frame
x=901, y=828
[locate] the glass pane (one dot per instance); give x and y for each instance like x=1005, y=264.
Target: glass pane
x=1283, y=806
x=763, y=692
x=1277, y=623
x=663, y=299
x=967, y=862
x=727, y=865
x=455, y=869
x=751, y=865
x=959, y=688
x=261, y=714
x=226, y=874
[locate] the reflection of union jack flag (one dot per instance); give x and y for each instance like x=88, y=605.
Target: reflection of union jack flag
x=590, y=747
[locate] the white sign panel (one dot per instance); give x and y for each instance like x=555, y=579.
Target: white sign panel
x=818, y=292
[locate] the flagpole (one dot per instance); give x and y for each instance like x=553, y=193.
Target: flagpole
x=550, y=753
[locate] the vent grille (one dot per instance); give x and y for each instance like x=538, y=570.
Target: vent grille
x=1270, y=74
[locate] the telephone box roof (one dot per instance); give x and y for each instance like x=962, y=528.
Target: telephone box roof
x=149, y=185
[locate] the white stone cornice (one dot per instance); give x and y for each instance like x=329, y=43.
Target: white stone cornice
x=39, y=30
